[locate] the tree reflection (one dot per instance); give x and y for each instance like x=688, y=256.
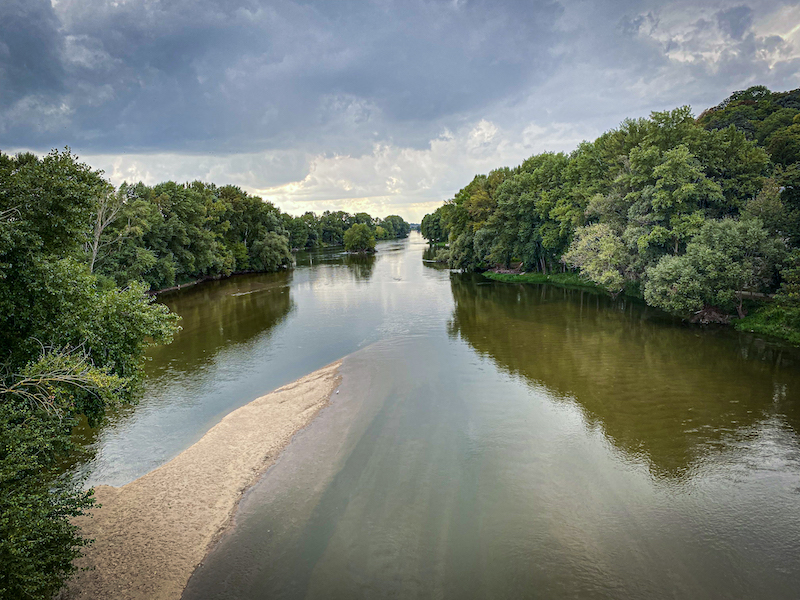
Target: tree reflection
x=219, y=314
x=658, y=388
x=360, y=265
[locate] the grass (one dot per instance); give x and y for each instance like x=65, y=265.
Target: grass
x=773, y=320
x=562, y=279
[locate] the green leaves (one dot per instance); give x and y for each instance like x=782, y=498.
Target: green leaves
x=72, y=345
x=38, y=408
x=693, y=211
x=723, y=261
x=359, y=238
x=600, y=255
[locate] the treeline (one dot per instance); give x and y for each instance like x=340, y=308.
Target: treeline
x=71, y=345
x=77, y=260
x=310, y=231
x=696, y=216
x=174, y=233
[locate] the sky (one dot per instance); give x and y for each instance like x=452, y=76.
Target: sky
x=382, y=106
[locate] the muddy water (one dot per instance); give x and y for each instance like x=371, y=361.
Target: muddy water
x=488, y=440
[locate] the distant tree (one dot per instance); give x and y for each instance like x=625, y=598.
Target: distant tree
x=432, y=228
x=359, y=238
x=364, y=218
x=297, y=229
x=271, y=253
x=395, y=226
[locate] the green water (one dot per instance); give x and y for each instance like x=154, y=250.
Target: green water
x=488, y=440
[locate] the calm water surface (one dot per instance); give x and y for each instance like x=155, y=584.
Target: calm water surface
x=488, y=441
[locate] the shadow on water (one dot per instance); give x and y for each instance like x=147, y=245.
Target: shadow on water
x=216, y=316
x=660, y=390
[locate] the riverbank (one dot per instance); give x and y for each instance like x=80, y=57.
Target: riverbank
x=562, y=279
x=151, y=533
x=188, y=284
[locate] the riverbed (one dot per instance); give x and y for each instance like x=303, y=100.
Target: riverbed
x=488, y=440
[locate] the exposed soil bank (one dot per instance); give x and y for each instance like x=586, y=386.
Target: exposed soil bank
x=151, y=533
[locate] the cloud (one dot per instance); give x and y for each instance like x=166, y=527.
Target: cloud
x=30, y=51
x=389, y=179
x=735, y=21
x=393, y=104
x=241, y=76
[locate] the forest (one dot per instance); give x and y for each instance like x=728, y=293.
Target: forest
x=79, y=260
x=174, y=233
x=699, y=216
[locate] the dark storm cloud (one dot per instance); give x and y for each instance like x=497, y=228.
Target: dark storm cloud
x=735, y=21
x=228, y=76
x=30, y=50
x=242, y=75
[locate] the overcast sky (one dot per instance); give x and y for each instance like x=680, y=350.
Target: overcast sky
x=383, y=106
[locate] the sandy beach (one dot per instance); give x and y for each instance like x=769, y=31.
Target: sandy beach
x=151, y=533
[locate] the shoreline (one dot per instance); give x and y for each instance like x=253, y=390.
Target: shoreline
x=183, y=286
x=151, y=533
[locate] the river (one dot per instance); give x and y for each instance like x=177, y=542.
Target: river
x=488, y=440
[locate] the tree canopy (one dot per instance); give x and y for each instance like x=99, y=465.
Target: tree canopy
x=78, y=260
x=359, y=238
x=644, y=208
x=72, y=344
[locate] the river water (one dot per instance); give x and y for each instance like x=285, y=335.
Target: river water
x=488, y=440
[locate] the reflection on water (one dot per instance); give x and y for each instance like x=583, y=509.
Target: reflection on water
x=360, y=265
x=511, y=441
x=670, y=392
x=247, y=335
x=214, y=318
x=187, y=379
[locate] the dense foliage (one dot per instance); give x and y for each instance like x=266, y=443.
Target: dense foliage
x=359, y=238
x=690, y=214
x=772, y=119
x=78, y=259
x=71, y=344
x=176, y=233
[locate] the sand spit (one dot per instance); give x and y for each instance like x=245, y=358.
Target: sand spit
x=151, y=533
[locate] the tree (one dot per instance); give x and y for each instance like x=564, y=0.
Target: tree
x=723, y=262
x=601, y=255
x=395, y=226
x=72, y=344
x=297, y=230
x=781, y=317
x=109, y=205
x=271, y=253
x=38, y=543
x=359, y=238
x=433, y=228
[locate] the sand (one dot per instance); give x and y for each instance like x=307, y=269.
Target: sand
x=151, y=533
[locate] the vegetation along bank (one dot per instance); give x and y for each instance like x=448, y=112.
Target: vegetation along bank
x=697, y=216
x=78, y=259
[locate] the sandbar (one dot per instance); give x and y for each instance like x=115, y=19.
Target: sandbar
x=151, y=533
